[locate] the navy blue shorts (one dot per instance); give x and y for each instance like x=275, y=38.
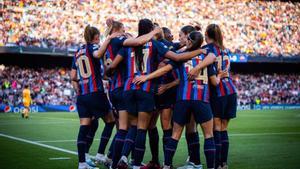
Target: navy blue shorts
x=166, y=100
x=139, y=101
x=224, y=107
x=93, y=104
x=184, y=108
x=117, y=99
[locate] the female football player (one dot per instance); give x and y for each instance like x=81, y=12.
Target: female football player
x=192, y=98
x=117, y=86
x=87, y=81
x=224, y=99
x=140, y=98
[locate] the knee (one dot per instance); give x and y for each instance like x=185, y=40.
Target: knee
x=217, y=124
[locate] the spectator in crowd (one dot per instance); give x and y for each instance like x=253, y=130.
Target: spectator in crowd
x=52, y=86
x=48, y=86
x=267, y=28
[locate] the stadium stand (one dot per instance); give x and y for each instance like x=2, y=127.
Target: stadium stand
x=266, y=28
x=52, y=86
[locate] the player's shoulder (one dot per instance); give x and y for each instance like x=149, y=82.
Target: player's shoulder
x=158, y=44
x=118, y=39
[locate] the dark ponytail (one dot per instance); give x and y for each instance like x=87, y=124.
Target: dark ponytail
x=90, y=33
x=145, y=26
x=187, y=29
x=197, y=39
x=214, y=32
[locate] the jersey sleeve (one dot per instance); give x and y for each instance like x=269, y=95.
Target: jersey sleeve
x=176, y=46
x=161, y=49
x=123, y=52
x=74, y=63
x=211, y=70
x=119, y=41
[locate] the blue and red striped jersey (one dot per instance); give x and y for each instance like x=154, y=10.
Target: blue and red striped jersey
x=112, y=50
x=88, y=69
x=226, y=86
x=152, y=51
x=170, y=76
x=197, y=89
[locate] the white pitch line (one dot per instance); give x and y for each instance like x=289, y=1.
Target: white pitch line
x=231, y=135
x=44, y=123
x=60, y=158
x=38, y=144
x=58, y=141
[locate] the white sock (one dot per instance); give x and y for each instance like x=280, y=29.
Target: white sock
x=124, y=159
x=82, y=164
x=87, y=156
x=136, y=167
x=99, y=155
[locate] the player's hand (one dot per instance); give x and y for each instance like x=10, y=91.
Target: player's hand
x=193, y=73
x=157, y=30
x=223, y=74
x=109, y=72
x=204, y=51
x=162, y=89
x=139, y=79
x=109, y=21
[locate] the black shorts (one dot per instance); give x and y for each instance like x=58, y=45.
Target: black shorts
x=224, y=107
x=93, y=104
x=117, y=99
x=184, y=108
x=166, y=100
x=139, y=101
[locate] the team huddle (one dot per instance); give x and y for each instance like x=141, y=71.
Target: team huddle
x=185, y=84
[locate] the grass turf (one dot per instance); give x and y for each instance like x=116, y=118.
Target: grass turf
x=258, y=140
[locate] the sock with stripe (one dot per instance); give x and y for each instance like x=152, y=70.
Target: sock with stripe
x=218, y=144
x=194, y=147
x=105, y=136
x=81, y=142
x=225, y=147
x=139, y=150
x=167, y=135
x=154, y=144
x=118, y=146
x=187, y=143
x=170, y=151
x=129, y=141
x=91, y=134
x=210, y=151
x=110, y=150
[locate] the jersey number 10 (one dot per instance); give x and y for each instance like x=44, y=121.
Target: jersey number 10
x=84, y=66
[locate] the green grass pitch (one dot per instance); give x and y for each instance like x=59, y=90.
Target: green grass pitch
x=258, y=140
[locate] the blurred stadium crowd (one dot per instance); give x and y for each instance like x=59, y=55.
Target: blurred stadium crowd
x=269, y=28
x=52, y=86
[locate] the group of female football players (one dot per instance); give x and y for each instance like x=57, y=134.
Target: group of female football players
x=186, y=83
